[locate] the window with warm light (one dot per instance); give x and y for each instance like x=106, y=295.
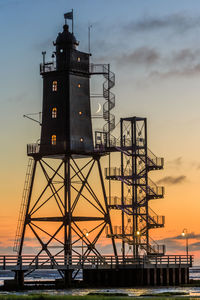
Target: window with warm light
x=79, y=85
x=80, y=113
x=54, y=86
x=54, y=113
x=78, y=59
x=81, y=140
x=53, y=140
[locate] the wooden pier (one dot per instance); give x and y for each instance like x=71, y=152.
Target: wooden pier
x=103, y=271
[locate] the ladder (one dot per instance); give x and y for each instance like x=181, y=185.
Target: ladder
x=23, y=206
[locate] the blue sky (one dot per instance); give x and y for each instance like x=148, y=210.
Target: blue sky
x=154, y=49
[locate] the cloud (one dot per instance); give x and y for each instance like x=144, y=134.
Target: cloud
x=191, y=235
x=141, y=56
x=177, y=162
x=177, y=22
x=183, y=72
x=186, y=55
x=172, y=180
x=174, y=243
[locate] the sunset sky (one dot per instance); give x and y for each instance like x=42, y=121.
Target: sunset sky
x=153, y=47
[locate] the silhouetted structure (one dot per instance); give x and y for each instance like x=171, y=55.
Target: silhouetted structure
x=72, y=193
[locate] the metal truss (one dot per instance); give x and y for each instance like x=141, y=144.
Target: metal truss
x=70, y=213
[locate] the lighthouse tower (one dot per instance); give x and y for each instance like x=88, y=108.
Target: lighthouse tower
x=68, y=211
x=66, y=119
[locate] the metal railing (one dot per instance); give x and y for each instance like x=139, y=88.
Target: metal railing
x=154, y=219
x=153, y=160
x=74, y=65
x=154, y=190
x=114, y=200
x=114, y=171
x=28, y=262
x=33, y=148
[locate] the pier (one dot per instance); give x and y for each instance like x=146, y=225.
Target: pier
x=103, y=271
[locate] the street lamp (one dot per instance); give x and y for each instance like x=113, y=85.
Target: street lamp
x=84, y=234
x=185, y=234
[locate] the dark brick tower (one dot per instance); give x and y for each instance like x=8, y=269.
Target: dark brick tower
x=66, y=121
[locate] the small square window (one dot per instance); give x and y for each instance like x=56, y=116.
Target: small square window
x=54, y=113
x=53, y=140
x=54, y=86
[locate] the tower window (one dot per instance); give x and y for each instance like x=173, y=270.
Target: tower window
x=54, y=113
x=78, y=59
x=53, y=140
x=54, y=86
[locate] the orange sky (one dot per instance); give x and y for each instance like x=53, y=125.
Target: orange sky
x=157, y=76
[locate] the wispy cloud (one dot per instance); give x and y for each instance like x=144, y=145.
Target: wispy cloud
x=175, y=243
x=177, y=22
x=176, y=163
x=172, y=180
x=140, y=56
x=183, y=72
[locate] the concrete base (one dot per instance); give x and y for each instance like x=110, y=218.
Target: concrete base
x=66, y=282
x=129, y=277
x=17, y=282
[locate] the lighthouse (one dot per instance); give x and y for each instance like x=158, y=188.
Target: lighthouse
x=66, y=113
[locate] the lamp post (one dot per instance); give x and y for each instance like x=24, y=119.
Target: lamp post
x=137, y=236
x=185, y=234
x=84, y=234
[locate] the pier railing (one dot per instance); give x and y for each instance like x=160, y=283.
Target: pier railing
x=27, y=262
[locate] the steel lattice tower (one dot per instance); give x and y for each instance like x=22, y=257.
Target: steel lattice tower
x=137, y=189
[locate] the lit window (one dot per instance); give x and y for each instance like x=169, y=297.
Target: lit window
x=81, y=140
x=80, y=113
x=53, y=140
x=54, y=86
x=78, y=59
x=54, y=113
x=79, y=85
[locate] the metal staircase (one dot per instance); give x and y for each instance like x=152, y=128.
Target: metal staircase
x=152, y=190
x=137, y=189
x=110, y=100
x=23, y=206
x=103, y=138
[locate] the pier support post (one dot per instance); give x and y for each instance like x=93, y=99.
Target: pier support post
x=17, y=282
x=167, y=276
x=68, y=278
x=19, y=278
x=155, y=277
x=173, y=276
x=161, y=276
x=186, y=275
x=148, y=276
